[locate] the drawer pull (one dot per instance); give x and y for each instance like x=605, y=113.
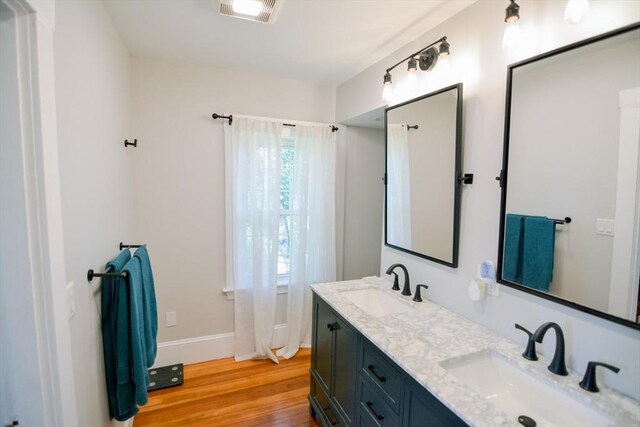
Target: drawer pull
x=370, y=406
x=332, y=326
x=373, y=371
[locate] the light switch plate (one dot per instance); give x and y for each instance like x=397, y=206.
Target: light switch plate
x=605, y=227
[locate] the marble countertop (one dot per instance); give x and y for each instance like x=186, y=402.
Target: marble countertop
x=427, y=334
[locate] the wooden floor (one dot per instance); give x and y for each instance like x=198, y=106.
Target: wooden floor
x=226, y=393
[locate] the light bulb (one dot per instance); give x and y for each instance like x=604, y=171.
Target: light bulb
x=576, y=10
x=247, y=7
x=512, y=36
x=412, y=82
x=387, y=93
x=443, y=65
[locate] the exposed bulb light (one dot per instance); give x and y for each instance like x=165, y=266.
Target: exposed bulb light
x=387, y=79
x=387, y=93
x=512, y=13
x=247, y=7
x=413, y=65
x=511, y=37
x=576, y=10
x=443, y=50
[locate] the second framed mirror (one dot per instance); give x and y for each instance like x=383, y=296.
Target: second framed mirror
x=423, y=175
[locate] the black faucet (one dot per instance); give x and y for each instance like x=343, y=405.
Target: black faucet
x=557, y=365
x=418, y=297
x=589, y=380
x=530, y=351
x=406, y=289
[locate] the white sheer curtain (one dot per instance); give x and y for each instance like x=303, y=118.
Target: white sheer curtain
x=313, y=256
x=253, y=156
x=398, y=186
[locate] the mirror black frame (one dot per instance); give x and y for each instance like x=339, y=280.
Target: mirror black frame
x=456, y=177
x=503, y=177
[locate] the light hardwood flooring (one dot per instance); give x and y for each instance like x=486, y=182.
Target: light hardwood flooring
x=226, y=393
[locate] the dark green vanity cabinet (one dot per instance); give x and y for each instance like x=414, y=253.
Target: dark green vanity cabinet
x=333, y=367
x=354, y=384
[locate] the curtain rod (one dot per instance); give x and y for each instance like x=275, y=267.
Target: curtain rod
x=230, y=118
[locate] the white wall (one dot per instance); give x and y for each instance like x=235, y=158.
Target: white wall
x=364, y=194
x=178, y=176
x=479, y=61
x=93, y=103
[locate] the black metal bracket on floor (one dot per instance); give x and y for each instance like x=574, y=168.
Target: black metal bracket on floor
x=91, y=275
x=467, y=178
x=127, y=143
x=218, y=116
x=122, y=246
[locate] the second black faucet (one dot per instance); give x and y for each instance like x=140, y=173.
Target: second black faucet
x=406, y=289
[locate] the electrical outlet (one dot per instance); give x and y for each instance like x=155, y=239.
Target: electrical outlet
x=171, y=318
x=71, y=299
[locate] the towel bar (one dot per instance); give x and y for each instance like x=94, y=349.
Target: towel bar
x=566, y=220
x=122, y=246
x=91, y=275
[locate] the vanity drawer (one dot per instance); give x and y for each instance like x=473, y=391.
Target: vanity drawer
x=326, y=414
x=374, y=409
x=383, y=374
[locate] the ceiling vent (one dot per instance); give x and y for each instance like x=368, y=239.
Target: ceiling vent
x=264, y=11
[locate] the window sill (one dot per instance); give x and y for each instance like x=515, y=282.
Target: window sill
x=282, y=289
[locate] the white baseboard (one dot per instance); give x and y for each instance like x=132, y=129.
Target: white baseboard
x=206, y=348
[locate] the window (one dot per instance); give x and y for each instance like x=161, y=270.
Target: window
x=284, y=227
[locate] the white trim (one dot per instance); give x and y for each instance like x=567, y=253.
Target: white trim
x=44, y=215
x=206, y=348
x=623, y=291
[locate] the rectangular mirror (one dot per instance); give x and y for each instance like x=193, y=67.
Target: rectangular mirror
x=422, y=192
x=569, y=227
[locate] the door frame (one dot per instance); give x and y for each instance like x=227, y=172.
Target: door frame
x=35, y=26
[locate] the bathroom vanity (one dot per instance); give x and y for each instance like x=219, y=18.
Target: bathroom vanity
x=380, y=359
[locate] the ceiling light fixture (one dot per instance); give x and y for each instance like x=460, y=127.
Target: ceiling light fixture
x=576, y=10
x=247, y=7
x=427, y=58
x=263, y=11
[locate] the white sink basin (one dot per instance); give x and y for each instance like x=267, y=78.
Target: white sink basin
x=516, y=392
x=375, y=302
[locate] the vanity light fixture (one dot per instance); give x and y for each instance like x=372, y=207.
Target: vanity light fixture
x=511, y=37
x=427, y=58
x=263, y=11
x=576, y=10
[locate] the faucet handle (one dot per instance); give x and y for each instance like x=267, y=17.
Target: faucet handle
x=589, y=380
x=396, y=286
x=530, y=351
x=417, y=297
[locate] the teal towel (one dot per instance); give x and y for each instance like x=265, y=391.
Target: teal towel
x=120, y=397
x=529, y=251
x=149, y=305
x=131, y=354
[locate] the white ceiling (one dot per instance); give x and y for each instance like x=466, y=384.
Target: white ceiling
x=321, y=41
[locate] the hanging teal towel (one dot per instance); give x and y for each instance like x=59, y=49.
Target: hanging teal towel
x=131, y=353
x=150, y=309
x=120, y=396
x=529, y=251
